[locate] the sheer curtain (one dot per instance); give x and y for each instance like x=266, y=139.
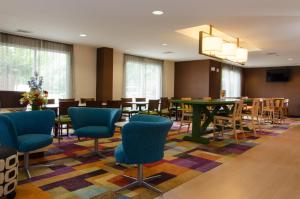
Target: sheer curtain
x=143, y=77
x=20, y=57
x=231, y=81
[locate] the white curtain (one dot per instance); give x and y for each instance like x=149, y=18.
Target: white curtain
x=20, y=57
x=143, y=77
x=231, y=81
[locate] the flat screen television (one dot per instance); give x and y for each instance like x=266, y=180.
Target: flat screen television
x=278, y=75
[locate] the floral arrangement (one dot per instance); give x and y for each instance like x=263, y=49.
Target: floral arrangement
x=36, y=97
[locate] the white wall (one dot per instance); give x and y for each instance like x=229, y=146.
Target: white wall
x=118, y=73
x=84, y=71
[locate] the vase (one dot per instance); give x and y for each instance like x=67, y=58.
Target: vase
x=35, y=107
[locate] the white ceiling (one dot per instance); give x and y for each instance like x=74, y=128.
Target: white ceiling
x=128, y=25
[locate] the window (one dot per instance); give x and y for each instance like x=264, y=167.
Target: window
x=143, y=77
x=231, y=81
x=20, y=57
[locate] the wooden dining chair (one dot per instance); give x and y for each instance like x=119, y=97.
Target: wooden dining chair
x=51, y=101
x=141, y=99
x=84, y=100
x=94, y=103
x=231, y=121
x=66, y=100
x=285, y=108
x=152, y=109
x=63, y=121
x=186, y=114
x=268, y=110
x=279, y=111
x=252, y=119
x=127, y=109
x=113, y=104
x=164, y=108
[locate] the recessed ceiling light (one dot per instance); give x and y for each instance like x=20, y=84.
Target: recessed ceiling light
x=168, y=52
x=290, y=59
x=82, y=35
x=24, y=31
x=158, y=12
x=164, y=44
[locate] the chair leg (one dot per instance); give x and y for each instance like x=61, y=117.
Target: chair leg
x=234, y=131
x=59, y=132
x=140, y=181
x=26, y=164
x=181, y=122
x=97, y=152
x=214, y=129
x=242, y=129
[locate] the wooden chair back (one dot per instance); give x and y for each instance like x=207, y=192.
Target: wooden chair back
x=237, y=110
x=269, y=103
x=164, y=103
x=94, y=103
x=84, y=100
x=64, y=106
x=278, y=103
x=140, y=99
x=255, y=107
x=67, y=100
x=51, y=101
x=124, y=103
x=206, y=98
x=153, y=105
x=186, y=107
x=113, y=104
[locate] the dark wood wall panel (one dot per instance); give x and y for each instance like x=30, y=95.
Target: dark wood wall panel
x=10, y=99
x=255, y=85
x=104, y=80
x=192, y=79
x=215, y=79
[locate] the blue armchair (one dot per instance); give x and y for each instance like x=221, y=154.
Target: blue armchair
x=26, y=131
x=94, y=123
x=143, y=140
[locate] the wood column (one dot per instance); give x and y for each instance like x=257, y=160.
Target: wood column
x=215, y=79
x=104, y=81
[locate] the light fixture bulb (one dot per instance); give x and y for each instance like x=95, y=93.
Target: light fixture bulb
x=158, y=12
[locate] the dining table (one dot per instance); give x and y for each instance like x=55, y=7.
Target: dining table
x=139, y=105
x=205, y=110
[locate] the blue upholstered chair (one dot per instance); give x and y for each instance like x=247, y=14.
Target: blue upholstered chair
x=94, y=122
x=26, y=131
x=143, y=140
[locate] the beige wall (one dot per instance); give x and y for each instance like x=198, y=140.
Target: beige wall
x=168, y=79
x=118, y=73
x=84, y=76
x=85, y=58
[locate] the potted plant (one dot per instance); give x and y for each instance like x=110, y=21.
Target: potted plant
x=36, y=97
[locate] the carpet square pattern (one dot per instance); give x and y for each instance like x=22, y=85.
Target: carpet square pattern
x=76, y=175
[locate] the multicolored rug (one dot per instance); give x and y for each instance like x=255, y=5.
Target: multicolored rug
x=76, y=176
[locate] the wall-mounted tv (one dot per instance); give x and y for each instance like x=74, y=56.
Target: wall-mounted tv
x=278, y=75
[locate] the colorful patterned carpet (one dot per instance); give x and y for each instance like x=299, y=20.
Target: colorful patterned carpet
x=77, y=176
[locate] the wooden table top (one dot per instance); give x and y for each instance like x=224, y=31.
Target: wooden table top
x=211, y=102
x=268, y=171
x=138, y=103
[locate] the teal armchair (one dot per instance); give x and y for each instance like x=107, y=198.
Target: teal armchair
x=94, y=122
x=26, y=131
